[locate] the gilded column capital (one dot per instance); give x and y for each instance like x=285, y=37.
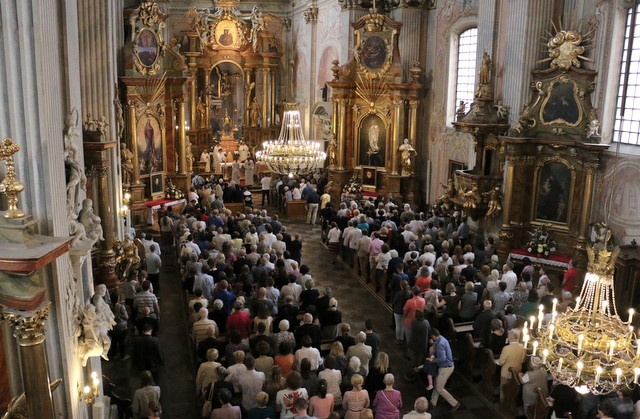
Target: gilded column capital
x=397, y=103
x=311, y=15
x=28, y=327
x=179, y=101
x=414, y=103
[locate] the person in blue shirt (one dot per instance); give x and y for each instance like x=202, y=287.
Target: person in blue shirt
x=444, y=359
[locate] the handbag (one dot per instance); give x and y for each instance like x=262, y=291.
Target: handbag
x=207, y=407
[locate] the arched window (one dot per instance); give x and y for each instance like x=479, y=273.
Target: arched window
x=466, y=66
x=627, y=121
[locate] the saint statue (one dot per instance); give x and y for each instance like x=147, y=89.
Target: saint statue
x=484, y=89
x=374, y=133
x=494, y=200
x=119, y=115
x=126, y=161
x=91, y=222
x=76, y=178
x=254, y=113
x=189, y=156
x=332, y=151
x=407, y=155
x=201, y=110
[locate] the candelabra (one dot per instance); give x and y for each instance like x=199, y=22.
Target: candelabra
x=89, y=393
x=588, y=347
x=291, y=153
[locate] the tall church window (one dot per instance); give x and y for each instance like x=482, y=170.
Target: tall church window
x=466, y=66
x=626, y=128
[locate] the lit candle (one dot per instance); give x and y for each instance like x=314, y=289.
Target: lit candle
x=86, y=390
x=618, y=376
x=598, y=372
x=605, y=304
x=579, y=370
x=540, y=317
x=525, y=340
x=636, y=373
x=555, y=303
x=535, y=347
x=577, y=304
x=545, y=353
x=631, y=312
x=551, y=329
x=612, y=345
x=560, y=364
x=540, y=310
x=580, y=339
x=638, y=347
x=532, y=320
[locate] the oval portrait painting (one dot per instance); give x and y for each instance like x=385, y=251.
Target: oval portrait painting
x=374, y=52
x=147, y=47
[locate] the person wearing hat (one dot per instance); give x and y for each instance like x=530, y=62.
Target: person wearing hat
x=534, y=378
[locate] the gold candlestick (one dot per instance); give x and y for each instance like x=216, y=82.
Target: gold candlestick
x=10, y=185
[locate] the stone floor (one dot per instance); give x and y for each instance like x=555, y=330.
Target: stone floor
x=357, y=301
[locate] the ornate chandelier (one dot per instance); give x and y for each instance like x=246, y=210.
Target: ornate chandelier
x=589, y=347
x=291, y=153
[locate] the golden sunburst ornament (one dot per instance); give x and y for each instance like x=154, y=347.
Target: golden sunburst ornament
x=371, y=90
x=566, y=49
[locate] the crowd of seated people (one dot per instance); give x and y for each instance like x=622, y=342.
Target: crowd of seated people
x=434, y=272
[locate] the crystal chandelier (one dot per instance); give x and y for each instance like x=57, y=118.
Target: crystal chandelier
x=291, y=154
x=589, y=347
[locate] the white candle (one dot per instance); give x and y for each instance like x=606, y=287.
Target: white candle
x=636, y=373
x=598, y=372
x=535, y=347
x=532, y=320
x=612, y=346
x=618, y=376
x=579, y=370
x=580, y=339
x=545, y=353
x=525, y=340
x=638, y=347
x=540, y=317
x=560, y=364
x=555, y=303
x=631, y=312
x=551, y=329
x=540, y=310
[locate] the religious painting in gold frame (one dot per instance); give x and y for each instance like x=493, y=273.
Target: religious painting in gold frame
x=226, y=33
x=562, y=103
x=554, y=182
x=374, y=51
x=372, y=141
x=148, y=23
x=150, y=144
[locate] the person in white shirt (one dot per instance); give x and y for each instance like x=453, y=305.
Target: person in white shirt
x=265, y=186
x=509, y=277
x=153, y=267
x=419, y=411
x=250, y=384
x=308, y=352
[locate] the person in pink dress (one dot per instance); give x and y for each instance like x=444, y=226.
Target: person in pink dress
x=321, y=405
x=354, y=401
x=388, y=402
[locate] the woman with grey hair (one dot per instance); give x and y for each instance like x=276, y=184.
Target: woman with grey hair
x=388, y=402
x=284, y=335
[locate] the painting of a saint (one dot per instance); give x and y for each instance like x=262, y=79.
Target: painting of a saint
x=149, y=146
x=372, y=142
x=561, y=107
x=374, y=52
x=369, y=176
x=147, y=47
x=226, y=33
x=554, y=191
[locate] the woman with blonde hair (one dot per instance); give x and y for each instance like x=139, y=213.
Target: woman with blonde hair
x=354, y=401
x=274, y=383
x=375, y=378
x=337, y=353
x=207, y=372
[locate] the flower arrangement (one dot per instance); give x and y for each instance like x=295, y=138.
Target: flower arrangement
x=353, y=186
x=541, y=242
x=172, y=191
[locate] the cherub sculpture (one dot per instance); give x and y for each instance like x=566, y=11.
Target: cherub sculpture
x=494, y=200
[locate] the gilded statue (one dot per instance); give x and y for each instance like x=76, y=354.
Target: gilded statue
x=472, y=198
x=494, y=200
x=127, y=259
x=484, y=89
x=126, y=162
x=254, y=113
x=332, y=151
x=407, y=155
x=201, y=110
x=447, y=196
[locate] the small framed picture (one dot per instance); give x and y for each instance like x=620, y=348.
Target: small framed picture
x=369, y=178
x=157, y=185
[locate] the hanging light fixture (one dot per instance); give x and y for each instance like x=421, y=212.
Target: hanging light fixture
x=291, y=154
x=589, y=347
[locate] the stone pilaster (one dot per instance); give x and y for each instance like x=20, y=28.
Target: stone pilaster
x=487, y=28
x=527, y=22
x=411, y=40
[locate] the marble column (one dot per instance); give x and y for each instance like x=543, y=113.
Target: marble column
x=413, y=122
x=487, y=27
x=28, y=330
x=411, y=38
x=265, y=96
x=132, y=143
x=527, y=22
x=182, y=139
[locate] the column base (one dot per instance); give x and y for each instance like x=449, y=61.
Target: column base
x=107, y=270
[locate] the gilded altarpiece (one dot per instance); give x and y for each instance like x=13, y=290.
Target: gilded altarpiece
x=552, y=154
x=374, y=111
